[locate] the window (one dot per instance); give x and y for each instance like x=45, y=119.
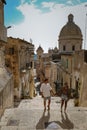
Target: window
x=27, y=64
x=11, y=50
x=64, y=48
x=85, y=56
x=73, y=48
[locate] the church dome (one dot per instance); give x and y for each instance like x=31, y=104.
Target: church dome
x=70, y=30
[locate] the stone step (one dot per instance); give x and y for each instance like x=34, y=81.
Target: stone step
x=30, y=115
x=33, y=118
x=28, y=128
x=16, y=128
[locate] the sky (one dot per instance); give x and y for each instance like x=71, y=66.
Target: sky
x=41, y=21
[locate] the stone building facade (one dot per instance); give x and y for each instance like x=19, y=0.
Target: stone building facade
x=73, y=64
x=43, y=64
x=65, y=69
x=80, y=75
x=70, y=41
x=6, y=77
x=53, y=75
x=19, y=59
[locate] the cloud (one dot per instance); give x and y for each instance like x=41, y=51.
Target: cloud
x=69, y=2
x=47, y=4
x=33, y=1
x=22, y=1
x=73, y=2
x=28, y=1
x=44, y=28
x=78, y=1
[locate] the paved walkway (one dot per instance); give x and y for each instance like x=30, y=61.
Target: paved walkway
x=30, y=115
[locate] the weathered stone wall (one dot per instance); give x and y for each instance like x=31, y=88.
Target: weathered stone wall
x=80, y=76
x=83, y=89
x=6, y=90
x=19, y=56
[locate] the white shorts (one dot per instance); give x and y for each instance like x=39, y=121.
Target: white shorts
x=47, y=98
x=64, y=97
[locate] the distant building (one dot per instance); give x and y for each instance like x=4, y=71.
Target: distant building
x=44, y=65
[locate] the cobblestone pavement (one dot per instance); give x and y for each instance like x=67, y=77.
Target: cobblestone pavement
x=30, y=115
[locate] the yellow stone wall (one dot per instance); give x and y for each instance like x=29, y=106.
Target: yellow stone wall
x=19, y=56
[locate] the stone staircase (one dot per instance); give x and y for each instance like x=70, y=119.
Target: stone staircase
x=29, y=115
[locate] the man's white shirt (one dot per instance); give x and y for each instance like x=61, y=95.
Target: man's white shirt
x=45, y=89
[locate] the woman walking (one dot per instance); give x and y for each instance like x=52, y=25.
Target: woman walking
x=64, y=96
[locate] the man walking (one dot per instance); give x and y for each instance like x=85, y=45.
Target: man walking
x=46, y=90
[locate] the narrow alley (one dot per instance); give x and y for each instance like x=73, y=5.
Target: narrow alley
x=30, y=115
